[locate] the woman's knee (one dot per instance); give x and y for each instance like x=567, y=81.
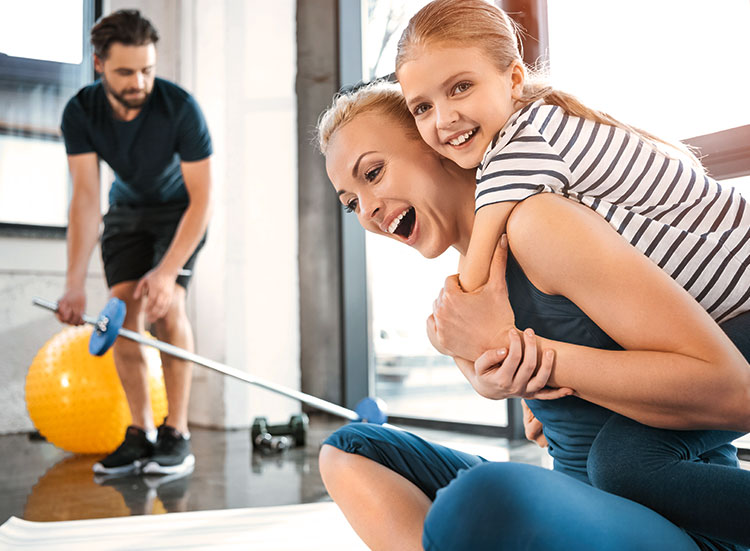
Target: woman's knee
x=339, y=450
x=331, y=461
x=481, y=504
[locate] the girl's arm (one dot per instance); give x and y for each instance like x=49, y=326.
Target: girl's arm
x=489, y=225
x=678, y=370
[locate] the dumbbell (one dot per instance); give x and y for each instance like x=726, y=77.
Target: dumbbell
x=279, y=437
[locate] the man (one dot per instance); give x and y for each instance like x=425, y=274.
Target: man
x=153, y=135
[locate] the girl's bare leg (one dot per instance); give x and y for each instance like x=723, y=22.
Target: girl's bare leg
x=385, y=509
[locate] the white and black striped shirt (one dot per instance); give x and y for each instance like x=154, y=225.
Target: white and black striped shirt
x=693, y=228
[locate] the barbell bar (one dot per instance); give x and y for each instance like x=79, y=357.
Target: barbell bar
x=108, y=326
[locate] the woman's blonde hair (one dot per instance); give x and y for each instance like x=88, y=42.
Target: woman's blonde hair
x=479, y=23
x=381, y=97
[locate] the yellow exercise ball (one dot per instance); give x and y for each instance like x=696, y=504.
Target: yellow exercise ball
x=75, y=400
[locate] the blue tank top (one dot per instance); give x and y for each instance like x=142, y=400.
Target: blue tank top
x=570, y=424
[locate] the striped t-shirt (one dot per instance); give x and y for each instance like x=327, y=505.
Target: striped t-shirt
x=693, y=228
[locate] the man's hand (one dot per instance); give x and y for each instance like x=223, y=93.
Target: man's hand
x=468, y=324
x=533, y=427
x=71, y=307
x=157, y=286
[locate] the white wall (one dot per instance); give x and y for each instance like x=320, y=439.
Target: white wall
x=246, y=305
x=238, y=58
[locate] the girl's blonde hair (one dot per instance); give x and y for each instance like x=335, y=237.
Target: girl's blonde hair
x=479, y=23
x=381, y=97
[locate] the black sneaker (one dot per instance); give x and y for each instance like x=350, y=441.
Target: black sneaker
x=129, y=456
x=171, y=453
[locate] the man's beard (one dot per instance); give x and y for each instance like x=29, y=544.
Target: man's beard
x=120, y=97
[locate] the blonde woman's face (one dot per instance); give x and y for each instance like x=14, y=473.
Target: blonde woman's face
x=396, y=186
x=459, y=99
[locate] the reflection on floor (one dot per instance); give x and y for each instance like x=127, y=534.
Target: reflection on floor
x=41, y=483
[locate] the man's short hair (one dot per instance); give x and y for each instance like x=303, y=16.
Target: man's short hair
x=127, y=27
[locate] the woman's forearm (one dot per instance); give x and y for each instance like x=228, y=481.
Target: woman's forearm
x=661, y=389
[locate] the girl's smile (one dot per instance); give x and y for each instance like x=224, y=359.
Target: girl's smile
x=460, y=99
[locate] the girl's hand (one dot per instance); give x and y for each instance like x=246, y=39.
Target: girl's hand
x=532, y=427
x=468, y=324
x=515, y=372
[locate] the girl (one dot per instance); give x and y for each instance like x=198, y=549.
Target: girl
x=461, y=72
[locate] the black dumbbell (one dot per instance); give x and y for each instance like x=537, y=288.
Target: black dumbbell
x=279, y=437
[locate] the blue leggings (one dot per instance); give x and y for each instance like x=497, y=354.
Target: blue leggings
x=480, y=505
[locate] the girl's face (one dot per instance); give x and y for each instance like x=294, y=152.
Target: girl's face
x=398, y=187
x=459, y=99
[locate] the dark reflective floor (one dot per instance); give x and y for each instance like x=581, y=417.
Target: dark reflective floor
x=42, y=483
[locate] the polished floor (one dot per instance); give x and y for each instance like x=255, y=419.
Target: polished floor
x=39, y=482
x=42, y=483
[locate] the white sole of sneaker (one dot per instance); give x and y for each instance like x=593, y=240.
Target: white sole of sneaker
x=101, y=469
x=152, y=467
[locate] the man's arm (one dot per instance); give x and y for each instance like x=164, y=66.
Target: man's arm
x=84, y=217
x=158, y=284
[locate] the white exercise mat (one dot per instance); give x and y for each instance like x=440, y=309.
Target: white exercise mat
x=309, y=527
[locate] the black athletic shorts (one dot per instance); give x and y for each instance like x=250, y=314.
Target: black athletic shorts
x=135, y=239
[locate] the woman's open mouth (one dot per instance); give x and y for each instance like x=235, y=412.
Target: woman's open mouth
x=403, y=224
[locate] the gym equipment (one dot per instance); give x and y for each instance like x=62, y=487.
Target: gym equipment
x=267, y=443
x=76, y=401
x=101, y=339
x=107, y=329
x=279, y=437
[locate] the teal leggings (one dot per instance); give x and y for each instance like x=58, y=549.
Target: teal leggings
x=480, y=505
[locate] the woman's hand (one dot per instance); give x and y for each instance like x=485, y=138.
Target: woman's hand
x=518, y=371
x=432, y=335
x=465, y=325
x=532, y=427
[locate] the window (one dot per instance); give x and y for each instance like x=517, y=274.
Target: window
x=44, y=59
x=404, y=369
x=672, y=67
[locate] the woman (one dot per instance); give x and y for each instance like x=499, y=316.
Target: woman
x=678, y=370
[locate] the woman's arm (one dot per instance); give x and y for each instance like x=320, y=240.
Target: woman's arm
x=678, y=370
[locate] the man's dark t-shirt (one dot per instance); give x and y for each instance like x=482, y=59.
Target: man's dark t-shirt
x=144, y=153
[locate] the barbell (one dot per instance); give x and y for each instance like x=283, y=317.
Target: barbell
x=108, y=326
